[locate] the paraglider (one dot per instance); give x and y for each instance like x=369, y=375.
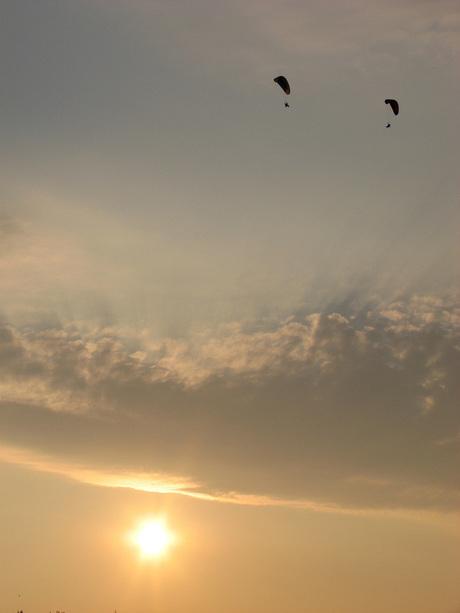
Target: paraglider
x=283, y=83
x=394, y=107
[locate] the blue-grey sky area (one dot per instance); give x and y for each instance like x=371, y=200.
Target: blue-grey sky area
x=246, y=311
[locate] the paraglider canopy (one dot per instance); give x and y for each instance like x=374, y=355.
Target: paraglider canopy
x=283, y=83
x=394, y=105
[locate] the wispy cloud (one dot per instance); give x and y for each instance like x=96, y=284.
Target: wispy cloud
x=147, y=482
x=298, y=30
x=175, y=485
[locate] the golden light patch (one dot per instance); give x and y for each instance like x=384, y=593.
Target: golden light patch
x=153, y=538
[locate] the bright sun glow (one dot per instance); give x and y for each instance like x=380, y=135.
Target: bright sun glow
x=153, y=538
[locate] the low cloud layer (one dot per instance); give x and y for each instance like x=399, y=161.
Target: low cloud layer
x=350, y=410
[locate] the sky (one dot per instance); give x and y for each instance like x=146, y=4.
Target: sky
x=237, y=318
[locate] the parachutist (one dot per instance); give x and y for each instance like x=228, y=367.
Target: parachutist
x=388, y=126
x=283, y=83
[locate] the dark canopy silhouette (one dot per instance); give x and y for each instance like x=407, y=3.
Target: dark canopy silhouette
x=283, y=83
x=394, y=105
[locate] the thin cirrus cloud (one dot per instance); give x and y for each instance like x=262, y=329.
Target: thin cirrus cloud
x=168, y=484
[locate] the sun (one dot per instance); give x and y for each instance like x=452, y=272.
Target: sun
x=153, y=538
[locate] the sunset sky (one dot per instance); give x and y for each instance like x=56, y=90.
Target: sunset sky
x=237, y=319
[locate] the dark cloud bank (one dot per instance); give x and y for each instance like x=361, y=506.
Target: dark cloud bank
x=357, y=410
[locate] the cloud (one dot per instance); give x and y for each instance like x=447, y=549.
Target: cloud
x=169, y=484
x=320, y=407
x=147, y=482
x=287, y=33
x=75, y=358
